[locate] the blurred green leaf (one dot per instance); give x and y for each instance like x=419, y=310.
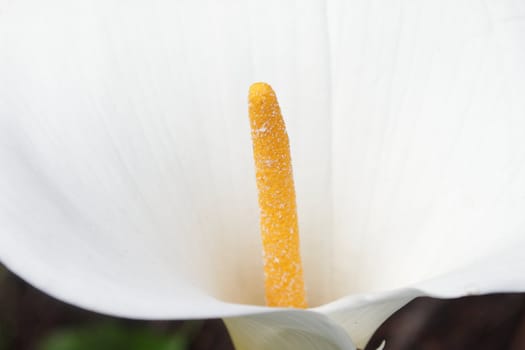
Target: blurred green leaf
x=3, y=337
x=112, y=336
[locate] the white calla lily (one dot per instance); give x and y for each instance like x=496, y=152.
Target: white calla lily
x=127, y=183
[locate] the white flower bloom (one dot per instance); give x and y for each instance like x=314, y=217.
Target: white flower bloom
x=127, y=184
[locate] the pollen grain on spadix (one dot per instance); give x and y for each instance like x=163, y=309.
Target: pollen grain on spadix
x=284, y=281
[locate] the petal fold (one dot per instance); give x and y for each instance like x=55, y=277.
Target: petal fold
x=287, y=330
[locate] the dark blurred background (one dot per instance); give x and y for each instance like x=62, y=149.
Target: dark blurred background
x=30, y=319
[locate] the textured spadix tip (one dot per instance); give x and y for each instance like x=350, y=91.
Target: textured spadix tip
x=262, y=100
x=258, y=90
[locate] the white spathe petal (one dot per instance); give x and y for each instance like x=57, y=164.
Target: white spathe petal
x=125, y=148
x=428, y=138
x=287, y=330
x=497, y=273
